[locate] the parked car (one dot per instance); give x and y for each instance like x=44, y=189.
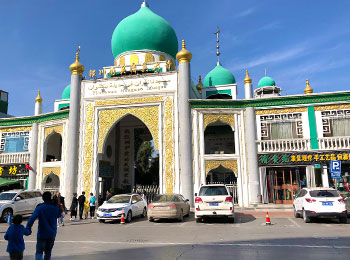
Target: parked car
x=214, y=200
x=319, y=202
x=22, y=202
x=131, y=205
x=168, y=206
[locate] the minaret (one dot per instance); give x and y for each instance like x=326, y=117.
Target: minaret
x=185, y=125
x=34, y=144
x=252, y=151
x=71, y=173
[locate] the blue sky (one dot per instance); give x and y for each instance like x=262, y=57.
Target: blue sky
x=293, y=40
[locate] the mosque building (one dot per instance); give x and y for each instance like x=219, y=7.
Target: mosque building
x=264, y=147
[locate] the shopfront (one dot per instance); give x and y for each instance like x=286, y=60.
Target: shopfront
x=15, y=172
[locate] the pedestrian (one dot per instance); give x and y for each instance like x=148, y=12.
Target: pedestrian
x=47, y=213
x=62, y=206
x=92, y=201
x=86, y=208
x=74, y=207
x=81, y=201
x=108, y=195
x=14, y=236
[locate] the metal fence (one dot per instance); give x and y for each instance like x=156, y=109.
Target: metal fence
x=148, y=191
x=232, y=188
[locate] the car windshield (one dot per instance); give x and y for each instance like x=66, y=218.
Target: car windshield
x=164, y=198
x=119, y=199
x=7, y=196
x=324, y=193
x=213, y=191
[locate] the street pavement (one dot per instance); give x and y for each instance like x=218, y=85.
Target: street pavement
x=247, y=238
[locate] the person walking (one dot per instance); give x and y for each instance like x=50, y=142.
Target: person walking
x=74, y=207
x=81, y=201
x=47, y=213
x=14, y=236
x=92, y=201
x=60, y=202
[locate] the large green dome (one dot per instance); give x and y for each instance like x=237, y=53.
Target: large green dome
x=219, y=76
x=144, y=30
x=266, y=82
x=66, y=92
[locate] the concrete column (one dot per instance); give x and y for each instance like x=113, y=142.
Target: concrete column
x=325, y=179
x=252, y=151
x=185, y=124
x=34, y=145
x=70, y=176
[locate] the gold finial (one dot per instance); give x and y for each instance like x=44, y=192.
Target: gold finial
x=217, y=45
x=77, y=68
x=199, y=85
x=184, y=56
x=308, y=89
x=247, y=79
x=38, y=99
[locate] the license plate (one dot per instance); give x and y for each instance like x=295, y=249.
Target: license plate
x=327, y=203
x=213, y=204
x=107, y=215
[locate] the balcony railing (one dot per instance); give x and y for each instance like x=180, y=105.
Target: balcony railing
x=283, y=145
x=6, y=158
x=334, y=143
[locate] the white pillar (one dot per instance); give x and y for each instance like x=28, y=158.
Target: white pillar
x=70, y=176
x=34, y=144
x=185, y=125
x=325, y=180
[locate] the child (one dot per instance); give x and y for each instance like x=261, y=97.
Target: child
x=14, y=235
x=86, y=208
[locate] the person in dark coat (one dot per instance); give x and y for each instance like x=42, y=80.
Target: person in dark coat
x=81, y=201
x=108, y=195
x=59, y=201
x=74, y=207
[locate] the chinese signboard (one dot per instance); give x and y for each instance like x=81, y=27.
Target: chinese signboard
x=302, y=158
x=13, y=170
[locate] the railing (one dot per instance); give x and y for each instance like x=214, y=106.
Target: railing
x=283, y=145
x=148, y=191
x=330, y=143
x=232, y=188
x=6, y=158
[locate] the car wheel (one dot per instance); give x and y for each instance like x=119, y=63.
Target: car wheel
x=198, y=220
x=306, y=218
x=188, y=213
x=144, y=213
x=5, y=214
x=181, y=217
x=128, y=217
x=101, y=220
x=151, y=219
x=296, y=214
x=343, y=220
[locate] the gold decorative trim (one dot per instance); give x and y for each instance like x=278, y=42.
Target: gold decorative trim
x=149, y=58
x=88, y=147
x=332, y=107
x=58, y=129
x=169, y=146
x=16, y=129
x=134, y=59
x=230, y=164
x=122, y=61
x=281, y=111
x=211, y=118
x=128, y=101
x=148, y=115
x=162, y=58
x=54, y=170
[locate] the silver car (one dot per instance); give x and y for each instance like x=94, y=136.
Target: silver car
x=22, y=202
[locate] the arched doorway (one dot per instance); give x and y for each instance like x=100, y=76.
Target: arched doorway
x=219, y=138
x=51, y=183
x=128, y=160
x=53, y=148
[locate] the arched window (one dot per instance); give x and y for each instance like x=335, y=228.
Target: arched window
x=53, y=147
x=219, y=138
x=221, y=175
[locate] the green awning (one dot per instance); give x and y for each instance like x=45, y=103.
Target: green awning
x=6, y=182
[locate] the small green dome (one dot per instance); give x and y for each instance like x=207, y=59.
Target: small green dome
x=219, y=76
x=144, y=30
x=266, y=82
x=66, y=92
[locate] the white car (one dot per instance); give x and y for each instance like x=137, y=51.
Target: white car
x=22, y=202
x=213, y=200
x=319, y=202
x=131, y=205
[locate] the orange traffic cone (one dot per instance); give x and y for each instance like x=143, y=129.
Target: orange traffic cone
x=268, y=221
x=122, y=221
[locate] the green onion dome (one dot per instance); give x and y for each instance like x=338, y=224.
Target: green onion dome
x=266, y=82
x=219, y=76
x=144, y=30
x=66, y=92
